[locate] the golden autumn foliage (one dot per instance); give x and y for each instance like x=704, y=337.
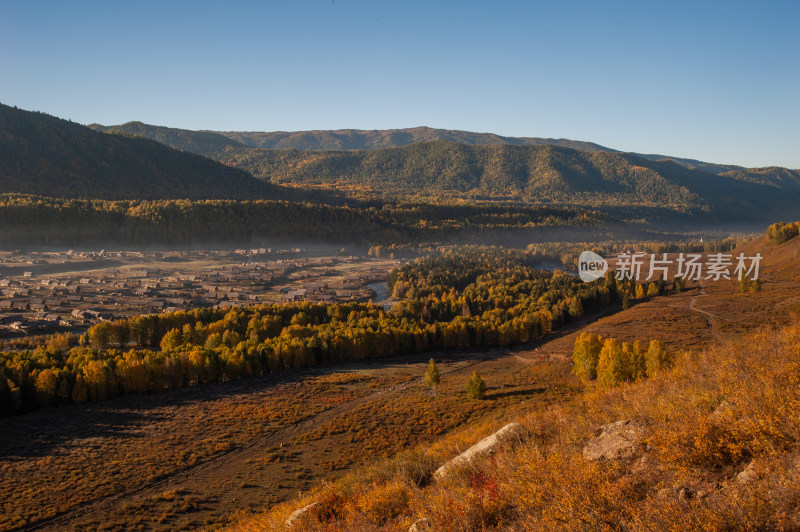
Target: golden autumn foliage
x=482, y=297
x=781, y=232
x=609, y=362
x=718, y=451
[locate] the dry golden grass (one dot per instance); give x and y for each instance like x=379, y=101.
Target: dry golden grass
x=704, y=421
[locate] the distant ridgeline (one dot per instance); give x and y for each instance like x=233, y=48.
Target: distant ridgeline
x=538, y=182
x=431, y=164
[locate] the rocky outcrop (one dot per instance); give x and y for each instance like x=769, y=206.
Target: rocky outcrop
x=748, y=474
x=298, y=514
x=723, y=410
x=421, y=525
x=614, y=441
x=485, y=447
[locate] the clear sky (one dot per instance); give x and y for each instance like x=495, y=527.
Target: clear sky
x=716, y=81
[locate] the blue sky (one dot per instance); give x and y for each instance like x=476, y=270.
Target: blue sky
x=716, y=81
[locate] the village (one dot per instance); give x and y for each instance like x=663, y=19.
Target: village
x=68, y=291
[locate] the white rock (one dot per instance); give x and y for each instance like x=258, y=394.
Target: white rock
x=614, y=441
x=748, y=473
x=485, y=447
x=421, y=525
x=299, y=513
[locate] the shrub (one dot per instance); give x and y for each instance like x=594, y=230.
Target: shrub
x=432, y=375
x=586, y=354
x=476, y=388
x=781, y=232
x=679, y=284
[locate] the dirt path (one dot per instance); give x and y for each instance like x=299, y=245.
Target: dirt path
x=710, y=316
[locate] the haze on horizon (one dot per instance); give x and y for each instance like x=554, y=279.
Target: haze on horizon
x=716, y=82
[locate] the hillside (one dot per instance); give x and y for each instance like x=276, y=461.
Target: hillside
x=209, y=142
x=49, y=156
x=710, y=443
x=710, y=451
x=531, y=173
x=434, y=164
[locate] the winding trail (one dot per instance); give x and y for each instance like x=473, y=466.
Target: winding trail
x=710, y=316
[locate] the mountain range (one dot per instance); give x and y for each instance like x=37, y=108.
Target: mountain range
x=424, y=163
x=45, y=155
x=204, y=142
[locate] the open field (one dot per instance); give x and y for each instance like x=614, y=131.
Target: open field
x=192, y=457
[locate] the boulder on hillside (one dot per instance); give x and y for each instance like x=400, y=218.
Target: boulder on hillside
x=485, y=447
x=614, y=441
x=298, y=514
x=421, y=525
x=748, y=474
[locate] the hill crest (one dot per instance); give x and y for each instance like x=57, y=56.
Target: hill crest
x=49, y=156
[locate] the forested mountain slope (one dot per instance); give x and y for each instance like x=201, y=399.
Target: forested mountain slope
x=531, y=173
x=417, y=162
x=200, y=142
x=45, y=155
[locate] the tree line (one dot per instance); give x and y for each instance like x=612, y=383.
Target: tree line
x=608, y=362
x=477, y=299
x=36, y=220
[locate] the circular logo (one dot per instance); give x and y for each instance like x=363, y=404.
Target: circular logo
x=591, y=266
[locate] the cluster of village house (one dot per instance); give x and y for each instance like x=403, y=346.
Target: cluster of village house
x=34, y=302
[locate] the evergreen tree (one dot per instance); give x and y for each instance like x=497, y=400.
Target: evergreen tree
x=679, y=284
x=432, y=376
x=476, y=388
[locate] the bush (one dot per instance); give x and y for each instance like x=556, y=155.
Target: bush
x=679, y=284
x=432, y=375
x=586, y=354
x=476, y=388
x=781, y=232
